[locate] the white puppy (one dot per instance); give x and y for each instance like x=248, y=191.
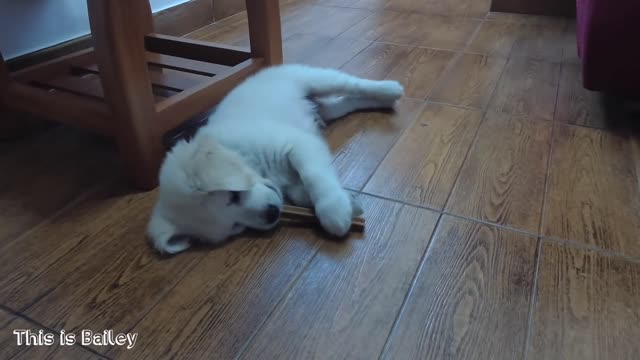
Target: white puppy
x=262, y=144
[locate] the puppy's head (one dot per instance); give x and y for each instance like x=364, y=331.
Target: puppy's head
x=209, y=192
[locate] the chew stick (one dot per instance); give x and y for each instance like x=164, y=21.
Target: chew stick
x=306, y=215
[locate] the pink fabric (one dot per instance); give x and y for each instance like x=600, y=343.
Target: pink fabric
x=608, y=33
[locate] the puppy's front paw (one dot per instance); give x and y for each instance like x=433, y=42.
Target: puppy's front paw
x=389, y=89
x=237, y=229
x=356, y=205
x=335, y=212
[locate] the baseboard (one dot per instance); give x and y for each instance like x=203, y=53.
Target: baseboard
x=565, y=8
x=177, y=21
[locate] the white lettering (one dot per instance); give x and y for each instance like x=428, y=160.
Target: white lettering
x=49, y=339
x=131, y=339
x=29, y=338
x=21, y=336
x=121, y=339
x=87, y=335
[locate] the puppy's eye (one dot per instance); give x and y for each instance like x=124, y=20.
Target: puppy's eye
x=234, y=197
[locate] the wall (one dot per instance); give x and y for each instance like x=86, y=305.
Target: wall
x=30, y=25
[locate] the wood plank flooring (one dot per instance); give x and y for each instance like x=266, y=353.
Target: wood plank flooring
x=362, y=288
x=576, y=105
x=593, y=195
x=503, y=178
x=470, y=81
x=587, y=306
x=423, y=165
x=475, y=280
x=12, y=350
x=528, y=87
x=503, y=213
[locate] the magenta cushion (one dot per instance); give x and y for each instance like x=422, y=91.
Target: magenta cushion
x=608, y=34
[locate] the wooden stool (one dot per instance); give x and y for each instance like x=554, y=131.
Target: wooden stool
x=135, y=85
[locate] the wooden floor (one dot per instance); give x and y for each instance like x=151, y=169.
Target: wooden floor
x=503, y=215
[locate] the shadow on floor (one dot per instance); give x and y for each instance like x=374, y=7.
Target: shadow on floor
x=621, y=115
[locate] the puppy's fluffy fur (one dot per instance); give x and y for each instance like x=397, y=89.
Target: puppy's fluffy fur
x=261, y=145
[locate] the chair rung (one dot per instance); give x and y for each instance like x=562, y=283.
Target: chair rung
x=60, y=106
x=88, y=85
x=171, y=80
x=196, y=100
x=56, y=66
x=196, y=50
x=186, y=65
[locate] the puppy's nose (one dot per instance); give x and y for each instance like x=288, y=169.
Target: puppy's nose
x=272, y=214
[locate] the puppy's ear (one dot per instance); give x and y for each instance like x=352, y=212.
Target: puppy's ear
x=163, y=236
x=213, y=167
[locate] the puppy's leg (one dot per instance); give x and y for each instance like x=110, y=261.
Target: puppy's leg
x=162, y=233
x=319, y=82
x=298, y=195
x=332, y=108
x=333, y=206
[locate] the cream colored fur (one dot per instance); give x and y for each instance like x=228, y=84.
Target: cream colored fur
x=262, y=145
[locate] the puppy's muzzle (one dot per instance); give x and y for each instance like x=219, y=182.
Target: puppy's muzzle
x=272, y=214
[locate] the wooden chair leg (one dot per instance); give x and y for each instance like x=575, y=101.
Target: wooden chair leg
x=118, y=28
x=264, y=30
x=14, y=125
x=4, y=80
x=9, y=124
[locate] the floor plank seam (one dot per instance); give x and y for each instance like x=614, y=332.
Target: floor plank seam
x=495, y=88
x=37, y=299
x=442, y=79
x=282, y=298
x=593, y=248
x=475, y=138
x=206, y=26
x=238, y=14
x=635, y=154
x=573, y=243
x=70, y=205
x=586, y=126
x=546, y=180
x=380, y=10
x=163, y=296
x=562, y=62
x=342, y=32
x=393, y=144
x=443, y=212
x=430, y=48
x=414, y=280
x=457, y=106
x=550, y=157
x=533, y=301
x=501, y=226
x=34, y=322
x=507, y=57
x=349, y=28
x=464, y=160
x=473, y=35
